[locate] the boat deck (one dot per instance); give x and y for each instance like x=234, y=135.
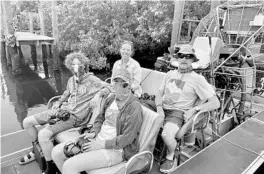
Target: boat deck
x=15, y=146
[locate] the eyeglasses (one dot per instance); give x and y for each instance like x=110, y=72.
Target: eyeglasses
x=186, y=56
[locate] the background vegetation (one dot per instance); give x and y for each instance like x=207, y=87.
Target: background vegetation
x=98, y=27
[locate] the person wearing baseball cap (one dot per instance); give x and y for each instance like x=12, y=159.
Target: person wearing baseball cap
x=122, y=84
x=176, y=101
x=115, y=133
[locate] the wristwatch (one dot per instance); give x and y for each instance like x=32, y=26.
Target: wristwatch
x=197, y=108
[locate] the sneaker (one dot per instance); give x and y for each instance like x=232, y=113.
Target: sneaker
x=167, y=166
x=189, y=139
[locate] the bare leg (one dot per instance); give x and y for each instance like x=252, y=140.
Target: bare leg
x=44, y=137
x=29, y=125
x=168, y=136
x=58, y=155
x=85, y=162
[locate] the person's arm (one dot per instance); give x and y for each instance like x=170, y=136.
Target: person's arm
x=207, y=94
x=159, y=98
x=113, y=70
x=98, y=124
x=137, y=77
x=100, y=118
x=66, y=93
x=106, y=90
x=130, y=130
x=211, y=104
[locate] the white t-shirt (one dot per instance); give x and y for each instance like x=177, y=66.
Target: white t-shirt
x=108, y=129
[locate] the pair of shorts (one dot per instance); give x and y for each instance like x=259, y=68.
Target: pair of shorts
x=43, y=117
x=112, y=156
x=174, y=116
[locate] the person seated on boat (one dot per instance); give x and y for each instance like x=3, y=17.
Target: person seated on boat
x=80, y=90
x=115, y=133
x=126, y=61
x=176, y=99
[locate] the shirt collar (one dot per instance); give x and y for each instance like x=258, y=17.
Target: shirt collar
x=127, y=64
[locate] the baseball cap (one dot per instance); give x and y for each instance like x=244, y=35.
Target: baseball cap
x=123, y=74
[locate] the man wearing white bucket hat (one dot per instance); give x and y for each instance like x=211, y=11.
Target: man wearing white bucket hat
x=176, y=100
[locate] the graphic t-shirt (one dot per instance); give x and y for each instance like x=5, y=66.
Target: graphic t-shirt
x=181, y=91
x=79, y=95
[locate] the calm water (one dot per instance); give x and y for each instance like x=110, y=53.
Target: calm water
x=27, y=94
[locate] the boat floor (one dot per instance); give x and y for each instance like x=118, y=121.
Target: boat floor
x=10, y=165
x=11, y=151
x=32, y=168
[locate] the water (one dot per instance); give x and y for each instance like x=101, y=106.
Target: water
x=27, y=94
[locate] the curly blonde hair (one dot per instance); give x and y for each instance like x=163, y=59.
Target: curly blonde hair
x=78, y=55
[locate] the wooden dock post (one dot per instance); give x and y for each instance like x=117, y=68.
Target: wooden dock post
x=44, y=48
x=11, y=48
x=177, y=21
x=55, y=33
x=33, y=46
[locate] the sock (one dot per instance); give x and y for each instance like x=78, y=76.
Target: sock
x=170, y=156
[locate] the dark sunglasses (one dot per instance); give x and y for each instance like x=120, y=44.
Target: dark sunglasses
x=187, y=56
x=124, y=84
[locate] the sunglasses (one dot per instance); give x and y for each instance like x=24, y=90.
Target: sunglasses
x=123, y=84
x=186, y=56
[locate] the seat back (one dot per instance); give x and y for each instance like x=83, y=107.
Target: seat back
x=151, y=124
x=151, y=81
x=202, y=47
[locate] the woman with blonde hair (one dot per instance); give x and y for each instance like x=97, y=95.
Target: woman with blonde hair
x=127, y=62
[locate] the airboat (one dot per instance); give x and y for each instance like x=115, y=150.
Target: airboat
x=229, y=43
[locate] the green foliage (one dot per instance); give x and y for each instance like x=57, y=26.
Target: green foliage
x=30, y=6
x=98, y=27
x=196, y=9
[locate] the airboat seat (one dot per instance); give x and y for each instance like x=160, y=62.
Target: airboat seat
x=202, y=50
x=150, y=83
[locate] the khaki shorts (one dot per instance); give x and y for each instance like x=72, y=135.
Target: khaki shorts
x=43, y=117
x=112, y=156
